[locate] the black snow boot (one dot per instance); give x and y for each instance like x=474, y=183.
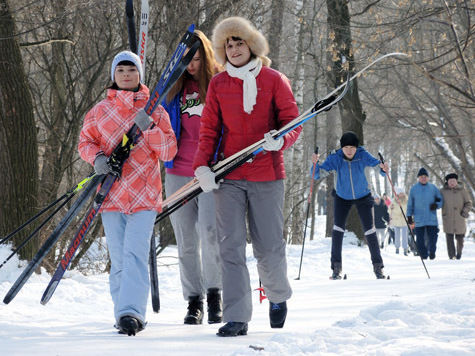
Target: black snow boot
x=129, y=325
x=378, y=271
x=232, y=328
x=215, y=306
x=195, y=311
x=277, y=314
x=336, y=271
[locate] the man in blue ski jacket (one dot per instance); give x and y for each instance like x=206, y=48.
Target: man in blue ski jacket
x=350, y=164
x=424, y=200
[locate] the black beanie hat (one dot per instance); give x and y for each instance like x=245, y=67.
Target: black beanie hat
x=422, y=172
x=349, y=138
x=451, y=175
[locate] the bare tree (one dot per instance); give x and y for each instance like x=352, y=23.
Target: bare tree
x=19, y=149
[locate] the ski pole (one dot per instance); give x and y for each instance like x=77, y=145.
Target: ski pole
x=403, y=214
x=309, y=200
x=24, y=242
x=68, y=195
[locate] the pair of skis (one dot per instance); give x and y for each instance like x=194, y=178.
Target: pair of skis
x=224, y=167
x=172, y=72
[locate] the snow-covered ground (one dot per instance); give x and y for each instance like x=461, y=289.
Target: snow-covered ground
x=406, y=315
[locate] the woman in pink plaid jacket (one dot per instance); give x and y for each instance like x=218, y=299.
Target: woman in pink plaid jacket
x=130, y=208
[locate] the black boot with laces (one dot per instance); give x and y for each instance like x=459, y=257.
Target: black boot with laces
x=195, y=311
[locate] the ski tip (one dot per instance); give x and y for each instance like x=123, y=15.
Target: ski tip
x=7, y=299
x=48, y=292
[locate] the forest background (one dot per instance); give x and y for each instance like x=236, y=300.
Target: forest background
x=416, y=110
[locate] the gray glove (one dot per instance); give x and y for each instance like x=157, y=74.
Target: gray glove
x=101, y=166
x=142, y=120
x=272, y=144
x=206, y=178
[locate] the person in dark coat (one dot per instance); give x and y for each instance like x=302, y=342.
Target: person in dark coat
x=381, y=218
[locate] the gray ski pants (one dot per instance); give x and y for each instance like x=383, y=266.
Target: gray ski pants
x=262, y=204
x=194, y=225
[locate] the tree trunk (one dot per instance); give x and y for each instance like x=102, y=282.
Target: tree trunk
x=351, y=111
x=19, y=150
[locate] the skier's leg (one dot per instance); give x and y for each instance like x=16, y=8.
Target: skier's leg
x=231, y=207
x=341, y=209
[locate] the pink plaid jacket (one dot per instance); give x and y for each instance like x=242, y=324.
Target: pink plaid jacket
x=139, y=187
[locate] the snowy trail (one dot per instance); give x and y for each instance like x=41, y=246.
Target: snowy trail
x=406, y=315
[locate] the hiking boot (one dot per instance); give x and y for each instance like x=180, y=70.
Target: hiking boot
x=232, y=328
x=397, y=251
x=215, y=306
x=458, y=256
x=195, y=311
x=129, y=325
x=277, y=314
x=432, y=256
x=378, y=271
x=406, y=252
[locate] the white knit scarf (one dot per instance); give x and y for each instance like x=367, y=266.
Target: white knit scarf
x=247, y=74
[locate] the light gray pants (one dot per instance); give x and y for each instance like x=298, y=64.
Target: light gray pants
x=261, y=203
x=194, y=225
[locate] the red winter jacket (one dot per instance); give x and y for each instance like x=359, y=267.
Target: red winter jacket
x=223, y=112
x=139, y=187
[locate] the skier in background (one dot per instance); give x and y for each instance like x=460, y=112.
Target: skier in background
x=455, y=210
x=423, y=202
x=349, y=163
x=398, y=222
x=130, y=208
x=381, y=218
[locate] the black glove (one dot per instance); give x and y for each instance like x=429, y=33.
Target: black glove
x=410, y=220
x=433, y=206
x=323, y=103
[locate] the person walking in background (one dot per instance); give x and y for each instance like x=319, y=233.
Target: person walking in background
x=244, y=104
x=381, y=218
x=349, y=163
x=130, y=208
x=194, y=224
x=424, y=200
x=455, y=211
x=398, y=222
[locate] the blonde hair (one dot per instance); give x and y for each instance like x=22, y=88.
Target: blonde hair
x=208, y=68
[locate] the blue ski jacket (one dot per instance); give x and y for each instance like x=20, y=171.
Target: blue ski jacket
x=351, y=182
x=421, y=196
x=173, y=110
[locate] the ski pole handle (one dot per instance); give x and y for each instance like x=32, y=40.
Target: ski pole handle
x=381, y=157
x=316, y=150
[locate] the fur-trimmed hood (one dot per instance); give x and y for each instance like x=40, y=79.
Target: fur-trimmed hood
x=242, y=28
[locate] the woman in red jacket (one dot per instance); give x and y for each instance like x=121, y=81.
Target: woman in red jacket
x=130, y=208
x=243, y=104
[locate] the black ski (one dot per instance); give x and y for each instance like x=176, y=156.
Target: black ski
x=55, y=235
